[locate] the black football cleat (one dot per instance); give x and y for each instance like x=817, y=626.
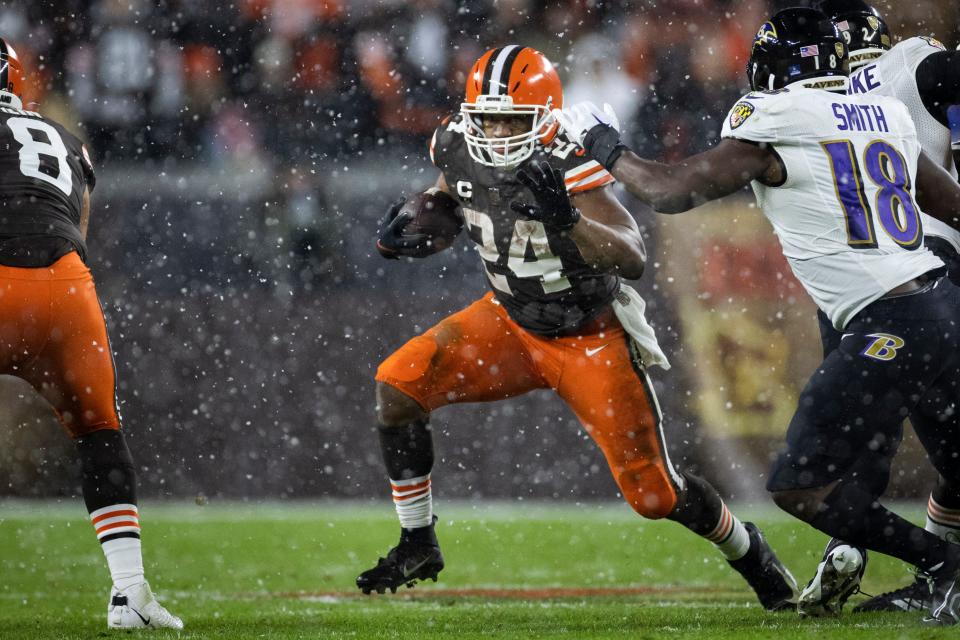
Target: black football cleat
x=416, y=557
x=837, y=578
x=774, y=585
x=913, y=597
x=945, y=594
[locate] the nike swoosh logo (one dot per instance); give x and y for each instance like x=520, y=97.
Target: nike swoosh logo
x=408, y=570
x=593, y=352
x=146, y=621
x=845, y=335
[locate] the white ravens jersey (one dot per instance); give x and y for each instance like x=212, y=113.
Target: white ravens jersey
x=846, y=215
x=895, y=74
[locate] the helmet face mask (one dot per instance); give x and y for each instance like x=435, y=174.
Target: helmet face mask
x=504, y=151
x=794, y=45
x=510, y=82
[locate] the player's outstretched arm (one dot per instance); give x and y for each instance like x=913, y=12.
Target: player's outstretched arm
x=938, y=194
x=669, y=188
x=604, y=232
x=720, y=171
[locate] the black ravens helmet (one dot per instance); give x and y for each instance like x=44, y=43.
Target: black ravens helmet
x=793, y=45
x=863, y=29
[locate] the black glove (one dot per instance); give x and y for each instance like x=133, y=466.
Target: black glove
x=553, y=207
x=391, y=241
x=603, y=144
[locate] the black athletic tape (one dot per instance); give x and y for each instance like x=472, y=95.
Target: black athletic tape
x=115, y=536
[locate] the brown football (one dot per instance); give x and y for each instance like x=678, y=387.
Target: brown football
x=436, y=215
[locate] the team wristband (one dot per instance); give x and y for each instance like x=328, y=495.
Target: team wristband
x=603, y=144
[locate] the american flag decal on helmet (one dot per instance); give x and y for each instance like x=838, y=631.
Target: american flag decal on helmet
x=809, y=51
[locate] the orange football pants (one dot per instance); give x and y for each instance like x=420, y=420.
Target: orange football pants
x=479, y=354
x=53, y=335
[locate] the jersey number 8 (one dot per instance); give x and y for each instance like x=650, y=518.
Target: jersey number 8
x=894, y=206
x=43, y=159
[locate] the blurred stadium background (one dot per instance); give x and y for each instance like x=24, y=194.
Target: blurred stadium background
x=245, y=151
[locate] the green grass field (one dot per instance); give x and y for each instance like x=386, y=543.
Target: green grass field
x=513, y=571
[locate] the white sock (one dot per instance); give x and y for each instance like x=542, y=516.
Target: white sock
x=943, y=522
x=118, y=530
x=413, y=500
x=730, y=536
x=125, y=561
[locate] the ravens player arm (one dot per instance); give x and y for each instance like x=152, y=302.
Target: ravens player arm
x=673, y=188
x=730, y=166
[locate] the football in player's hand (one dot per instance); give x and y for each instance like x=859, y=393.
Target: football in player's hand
x=435, y=215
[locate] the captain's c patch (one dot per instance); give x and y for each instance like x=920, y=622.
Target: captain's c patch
x=883, y=347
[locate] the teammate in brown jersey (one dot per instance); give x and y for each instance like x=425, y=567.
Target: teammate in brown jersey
x=52, y=330
x=557, y=317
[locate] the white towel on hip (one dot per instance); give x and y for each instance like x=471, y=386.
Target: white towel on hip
x=629, y=308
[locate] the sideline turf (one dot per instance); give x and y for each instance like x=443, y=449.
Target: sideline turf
x=281, y=570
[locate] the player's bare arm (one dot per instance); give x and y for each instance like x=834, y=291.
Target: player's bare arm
x=938, y=194
x=607, y=235
x=674, y=188
x=671, y=188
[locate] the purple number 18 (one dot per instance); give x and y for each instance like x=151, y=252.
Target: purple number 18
x=895, y=209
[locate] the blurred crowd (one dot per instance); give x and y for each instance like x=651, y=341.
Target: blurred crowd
x=301, y=81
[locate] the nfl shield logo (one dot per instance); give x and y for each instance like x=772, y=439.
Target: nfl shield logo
x=873, y=22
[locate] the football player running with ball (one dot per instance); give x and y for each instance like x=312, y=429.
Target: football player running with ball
x=843, y=181
x=557, y=317
x=52, y=330
x=926, y=78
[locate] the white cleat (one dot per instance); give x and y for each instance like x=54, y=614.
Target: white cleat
x=837, y=578
x=137, y=608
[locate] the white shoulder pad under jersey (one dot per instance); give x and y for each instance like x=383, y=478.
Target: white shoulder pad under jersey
x=845, y=215
x=895, y=74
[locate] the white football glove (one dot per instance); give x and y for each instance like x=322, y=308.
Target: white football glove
x=580, y=118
